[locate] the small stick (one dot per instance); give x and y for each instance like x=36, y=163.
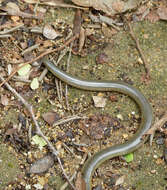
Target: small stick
x=38, y=130
x=5, y=36
x=139, y=50
x=12, y=29
x=157, y=126
x=64, y=186
x=57, y=88
x=58, y=84
x=61, y=90
x=29, y=132
x=44, y=72
x=30, y=49
x=66, y=87
x=19, y=79
x=39, y=57
x=68, y=149
x=67, y=119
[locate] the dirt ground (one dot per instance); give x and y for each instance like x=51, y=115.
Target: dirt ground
x=148, y=170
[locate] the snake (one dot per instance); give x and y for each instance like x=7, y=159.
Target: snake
x=118, y=86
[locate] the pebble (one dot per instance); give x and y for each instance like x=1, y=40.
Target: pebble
x=155, y=156
x=119, y=116
x=160, y=141
x=153, y=171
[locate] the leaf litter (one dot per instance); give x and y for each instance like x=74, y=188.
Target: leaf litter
x=109, y=13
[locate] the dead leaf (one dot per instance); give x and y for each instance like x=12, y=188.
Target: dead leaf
x=77, y=22
x=120, y=180
x=81, y=39
x=13, y=9
x=152, y=16
x=162, y=12
x=56, y=3
x=118, y=6
x=51, y=117
x=99, y=102
x=80, y=183
x=101, y=58
x=42, y=165
x=11, y=131
x=4, y=100
x=141, y=9
x=111, y=7
x=99, y=126
x=49, y=32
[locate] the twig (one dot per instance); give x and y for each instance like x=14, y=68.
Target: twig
x=60, y=90
x=64, y=186
x=44, y=72
x=5, y=36
x=67, y=119
x=157, y=126
x=57, y=88
x=58, y=83
x=36, y=6
x=12, y=29
x=31, y=48
x=38, y=130
x=29, y=132
x=77, y=144
x=66, y=87
x=39, y=57
x=68, y=149
x=19, y=79
x=139, y=50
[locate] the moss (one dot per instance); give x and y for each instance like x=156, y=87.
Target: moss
x=9, y=166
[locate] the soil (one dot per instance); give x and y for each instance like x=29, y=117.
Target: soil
x=148, y=170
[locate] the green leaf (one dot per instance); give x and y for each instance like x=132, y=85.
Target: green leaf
x=129, y=157
x=39, y=141
x=34, y=84
x=24, y=70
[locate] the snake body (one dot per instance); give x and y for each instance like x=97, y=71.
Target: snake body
x=146, y=117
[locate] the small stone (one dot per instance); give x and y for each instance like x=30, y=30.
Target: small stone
x=125, y=136
x=160, y=141
x=119, y=116
x=155, y=156
x=153, y=171
x=99, y=102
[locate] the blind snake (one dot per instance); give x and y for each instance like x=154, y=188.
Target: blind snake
x=146, y=117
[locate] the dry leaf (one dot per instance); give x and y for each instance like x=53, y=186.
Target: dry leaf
x=51, y=117
x=13, y=9
x=42, y=165
x=4, y=100
x=80, y=183
x=99, y=102
x=77, y=22
x=118, y=6
x=162, y=12
x=49, y=32
x=152, y=16
x=120, y=180
x=56, y=3
x=102, y=58
x=110, y=7
x=81, y=39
